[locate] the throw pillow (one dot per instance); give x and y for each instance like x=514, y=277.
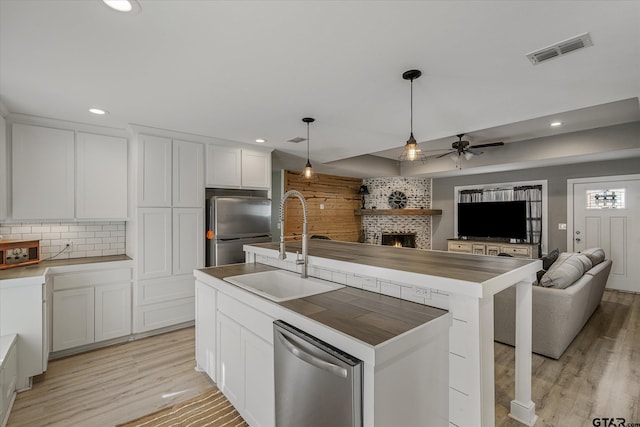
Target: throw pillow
x=549, y=259
x=596, y=255
x=568, y=268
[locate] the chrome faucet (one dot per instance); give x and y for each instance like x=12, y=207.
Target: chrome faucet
x=283, y=253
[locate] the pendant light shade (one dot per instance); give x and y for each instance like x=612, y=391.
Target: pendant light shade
x=308, y=169
x=411, y=152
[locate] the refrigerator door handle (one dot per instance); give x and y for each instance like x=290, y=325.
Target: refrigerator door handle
x=311, y=359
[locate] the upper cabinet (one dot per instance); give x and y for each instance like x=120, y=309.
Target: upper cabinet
x=238, y=168
x=256, y=169
x=64, y=174
x=101, y=176
x=188, y=174
x=154, y=171
x=42, y=172
x=170, y=172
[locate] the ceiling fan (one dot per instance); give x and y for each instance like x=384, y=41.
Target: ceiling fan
x=462, y=148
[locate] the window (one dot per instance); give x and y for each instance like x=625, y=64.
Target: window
x=606, y=199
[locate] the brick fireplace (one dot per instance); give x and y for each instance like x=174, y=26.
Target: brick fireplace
x=418, y=193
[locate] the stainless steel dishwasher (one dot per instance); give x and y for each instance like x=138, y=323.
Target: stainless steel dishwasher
x=316, y=385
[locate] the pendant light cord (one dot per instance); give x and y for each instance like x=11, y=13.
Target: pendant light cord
x=411, y=115
x=308, y=141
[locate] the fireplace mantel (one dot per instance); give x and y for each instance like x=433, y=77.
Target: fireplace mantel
x=360, y=212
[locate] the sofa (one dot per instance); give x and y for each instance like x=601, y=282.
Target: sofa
x=565, y=296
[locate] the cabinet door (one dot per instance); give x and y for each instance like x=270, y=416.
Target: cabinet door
x=101, y=181
x=154, y=171
x=73, y=318
x=154, y=242
x=188, y=240
x=256, y=169
x=43, y=172
x=224, y=167
x=259, y=380
x=206, y=329
x=188, y=174
x=112, y=311
x=230, y=371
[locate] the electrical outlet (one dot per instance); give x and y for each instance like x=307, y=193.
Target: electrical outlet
x=422, y=292
x=562, y=226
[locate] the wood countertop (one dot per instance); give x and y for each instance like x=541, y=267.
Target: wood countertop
x=451, y=265
x=37, y=270
x=367, y=316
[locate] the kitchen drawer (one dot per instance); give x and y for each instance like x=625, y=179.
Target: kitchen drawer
x=521, y=251
x=460, y=247
x=252, y=319
x=90, y=278
x=164, y=314
x=153, y=291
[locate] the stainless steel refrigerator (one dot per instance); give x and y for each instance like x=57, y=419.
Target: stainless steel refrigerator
x=234, y=221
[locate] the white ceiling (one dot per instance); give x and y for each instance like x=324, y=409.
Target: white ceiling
x=241, y=70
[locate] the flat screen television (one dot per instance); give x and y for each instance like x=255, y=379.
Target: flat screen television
x=502, y=220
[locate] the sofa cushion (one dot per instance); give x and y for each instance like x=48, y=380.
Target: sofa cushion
x=549, y=259
x=596, y=255
x=568, y=268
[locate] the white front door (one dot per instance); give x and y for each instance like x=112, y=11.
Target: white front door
x=606, y=214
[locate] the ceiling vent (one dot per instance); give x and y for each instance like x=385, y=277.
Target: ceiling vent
x=297, y=139
x=561, y=48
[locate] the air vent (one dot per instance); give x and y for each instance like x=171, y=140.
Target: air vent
x=560, y=48
x=296, y=139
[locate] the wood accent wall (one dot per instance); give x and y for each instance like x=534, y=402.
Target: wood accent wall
x=340, y=198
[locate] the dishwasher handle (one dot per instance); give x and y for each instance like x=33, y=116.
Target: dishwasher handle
x=311, y=359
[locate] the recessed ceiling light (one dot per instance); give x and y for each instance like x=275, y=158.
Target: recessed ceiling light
x=123, y=5
x=556, y=124
x=261, y=140
x=98, y=111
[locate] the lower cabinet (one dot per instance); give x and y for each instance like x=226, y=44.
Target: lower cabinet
x=478, y=247
x=8, y=375
x=246, y=372
x=234, y=346
x=89, y=307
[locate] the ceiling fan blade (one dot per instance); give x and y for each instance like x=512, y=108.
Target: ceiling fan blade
x=491, y=144
x=474, y=152
x=445, y=154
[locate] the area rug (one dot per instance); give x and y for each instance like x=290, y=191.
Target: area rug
x=210, y=409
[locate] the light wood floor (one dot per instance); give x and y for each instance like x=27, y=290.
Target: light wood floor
x=598, y=376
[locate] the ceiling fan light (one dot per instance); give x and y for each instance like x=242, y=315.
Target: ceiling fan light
x=454, y=157
x=468, y=155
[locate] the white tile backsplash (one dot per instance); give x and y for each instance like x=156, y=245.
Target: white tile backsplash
x=88, y=239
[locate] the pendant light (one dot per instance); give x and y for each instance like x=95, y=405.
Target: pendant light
x=308, y=170
x=411, y=152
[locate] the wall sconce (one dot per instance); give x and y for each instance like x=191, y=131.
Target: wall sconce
x=364, y=190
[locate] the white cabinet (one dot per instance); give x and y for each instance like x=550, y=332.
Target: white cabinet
x=256, y=169
x=154, y=242
x=206, y=329
x=22, y=312
x=224, y=167
x=154, y=171
x=8, y=375
x=101, y=177
x=112, y=311
x=73, y=318
x=238, y=168
x=188, y=174
x=188, y=240
x=42, y=172
x=245, y=359
x=4, y=176
x=90, y=306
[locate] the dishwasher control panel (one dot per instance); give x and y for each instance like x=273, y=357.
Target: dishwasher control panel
x=14, y=253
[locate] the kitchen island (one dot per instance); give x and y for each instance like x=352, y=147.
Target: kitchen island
x=403, y=346
x=463, y=284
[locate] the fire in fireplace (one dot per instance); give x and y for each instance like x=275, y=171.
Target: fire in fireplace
x=399, y=240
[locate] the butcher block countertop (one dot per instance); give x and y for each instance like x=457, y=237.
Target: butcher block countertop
x=37, y=270
x=367, y=316
x=452, y=265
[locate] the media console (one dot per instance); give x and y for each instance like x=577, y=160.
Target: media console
x=489, y=247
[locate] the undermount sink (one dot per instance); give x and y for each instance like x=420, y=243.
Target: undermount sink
x=281, y=285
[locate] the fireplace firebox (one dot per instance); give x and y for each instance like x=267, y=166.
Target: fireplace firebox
x=400, y=240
